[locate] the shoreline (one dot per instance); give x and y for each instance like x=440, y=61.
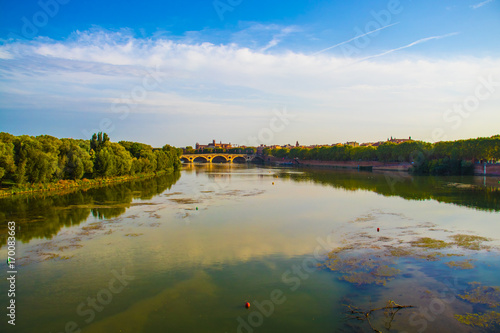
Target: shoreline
x=492, y=170
x=68, y=185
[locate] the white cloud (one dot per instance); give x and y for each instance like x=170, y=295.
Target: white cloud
x=231, y=80
x=4, y=54
x=481, y=4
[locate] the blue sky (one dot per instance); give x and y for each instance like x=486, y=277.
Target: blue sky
x=250, y=72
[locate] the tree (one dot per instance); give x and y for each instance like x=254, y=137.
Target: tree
x=74, y=161
x=385, y=152
x=190, y=150
x=36, y=160
x=98, y=141
x=7, y=163
x=104, y=163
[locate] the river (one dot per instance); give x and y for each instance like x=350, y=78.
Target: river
x=310, y=250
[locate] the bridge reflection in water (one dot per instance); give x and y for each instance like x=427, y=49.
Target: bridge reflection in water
x=221, y=158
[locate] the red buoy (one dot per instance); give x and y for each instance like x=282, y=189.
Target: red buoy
x=378, y=229
x=247, y=305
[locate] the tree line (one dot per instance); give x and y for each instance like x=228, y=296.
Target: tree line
x=440, y=158
x=44, y=158
x=480, y=149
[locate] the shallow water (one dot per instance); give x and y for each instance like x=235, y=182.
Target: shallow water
x=191, y=249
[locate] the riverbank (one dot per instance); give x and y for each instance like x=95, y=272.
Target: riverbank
x=492, y=170
x=65, y=185
x=375, y=165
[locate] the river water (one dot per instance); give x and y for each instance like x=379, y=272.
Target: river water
x=184, y=252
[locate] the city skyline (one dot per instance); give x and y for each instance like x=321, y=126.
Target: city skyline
x=165, y=72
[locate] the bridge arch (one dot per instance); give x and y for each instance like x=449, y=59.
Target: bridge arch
x=219, y=159
x=200, y=159
x=239, y=159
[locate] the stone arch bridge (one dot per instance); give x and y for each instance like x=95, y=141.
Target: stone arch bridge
x=220, y=157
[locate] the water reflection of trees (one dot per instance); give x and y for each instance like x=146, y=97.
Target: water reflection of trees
x=442, y=189
x=42, y=216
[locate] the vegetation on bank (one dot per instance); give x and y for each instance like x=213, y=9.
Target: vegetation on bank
x=409, y=151
x=440, y=158
x=44, y=162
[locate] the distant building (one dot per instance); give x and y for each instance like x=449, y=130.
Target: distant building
x=394, y=140
x=352, y=144
x=214, y=145
x=372, y=144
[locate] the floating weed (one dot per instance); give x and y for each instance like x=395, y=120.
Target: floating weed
x=470, y=242
x=400, y=252
x=93, y=226
x=386, y=271
x=173, y=193
x=133, y=235
x=464, y=264
x=185, y=201
x=360, y=278
x=480, y=320
x=365, y=218
x=433, y=256
x=430, y=243
x=479, y=294
x=361, y=268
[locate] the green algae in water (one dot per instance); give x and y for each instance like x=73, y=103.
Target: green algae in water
x=361, y=268
x=430, y=243
x=470, y=242
x=479, y=294
x=400, y=252
x=386, y=273
x=464, y=264
x=480, y=320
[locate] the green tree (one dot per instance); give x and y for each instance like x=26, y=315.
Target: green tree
x=190, y=150
x=98, y=141
x=7, y=163
x=74, y=161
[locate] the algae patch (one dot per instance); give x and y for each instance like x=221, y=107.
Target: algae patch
x=478, y=294
x=361, y=267
x=185, y=201
x=430, y=243
x=480, y=320
x=470, y=242
x=464, y=264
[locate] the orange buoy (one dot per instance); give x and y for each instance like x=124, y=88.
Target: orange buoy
x=378, y=229
x=247, y=305
x=273, y=183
